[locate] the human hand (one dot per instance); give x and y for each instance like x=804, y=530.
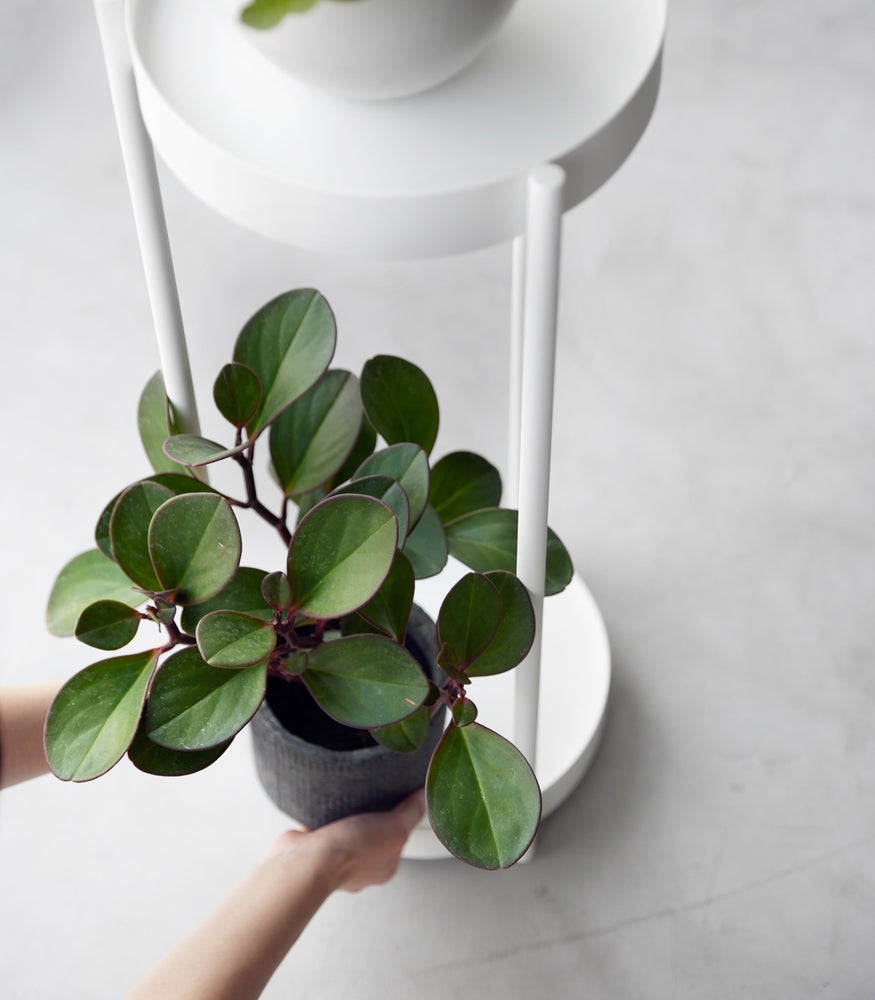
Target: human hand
x=361, y=850
x=23, y=711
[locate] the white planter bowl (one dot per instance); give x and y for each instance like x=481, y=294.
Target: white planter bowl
x=379, y=49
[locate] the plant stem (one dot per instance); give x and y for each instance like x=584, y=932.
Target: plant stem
x=450, y=692
x=176, y=637
x=244, y=460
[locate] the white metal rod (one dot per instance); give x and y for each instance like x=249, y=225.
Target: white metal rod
x=142, y=175
x=543, y=238
x=515, y=380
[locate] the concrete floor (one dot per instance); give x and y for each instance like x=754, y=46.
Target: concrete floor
x=713, y=479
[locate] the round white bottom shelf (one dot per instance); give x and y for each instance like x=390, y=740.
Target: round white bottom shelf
x=575, y=680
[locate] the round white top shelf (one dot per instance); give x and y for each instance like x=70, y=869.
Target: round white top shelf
x=566, y=81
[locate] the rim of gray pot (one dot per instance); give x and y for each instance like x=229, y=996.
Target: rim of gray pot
x=315, y=784
x=420, y=635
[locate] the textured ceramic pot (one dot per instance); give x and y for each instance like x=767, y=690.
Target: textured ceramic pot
x=314, y=784
x=377, y=49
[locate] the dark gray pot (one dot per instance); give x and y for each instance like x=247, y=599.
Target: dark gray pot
x=315, y=785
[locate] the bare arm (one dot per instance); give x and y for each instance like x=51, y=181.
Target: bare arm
x=233, y=953
x=23, y=710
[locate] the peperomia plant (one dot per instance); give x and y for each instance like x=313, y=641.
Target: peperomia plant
x=370, y=517
x=269, y=13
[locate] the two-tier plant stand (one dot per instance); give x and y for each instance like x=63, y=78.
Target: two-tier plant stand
x=496, y=155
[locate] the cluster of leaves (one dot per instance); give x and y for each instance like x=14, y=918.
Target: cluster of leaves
x=269, y=13
x=370, y=517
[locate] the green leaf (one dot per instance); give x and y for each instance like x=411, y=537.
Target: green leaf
x=129, y=531
x=177, y=482
x=193, y=706
x=94, y=716
x=237, y=393
x=516, y=630
x=463, y=482
x=433, y=695
x=365, y=680
x=407, y=735
x=400, y=402
x=107, y=625
x=243, y=593
x=449, y=663
x=383, y=488
x=277, y=591
x=161, y=611
x=154, y=418
x=288, y=344
x=312, y=438
x=486, y=540
x=295, y=663
x=408, y=464
x=195, y=545
x=340, y=554
x=307, y=501
x=468, y=618
x=464, y=712
x=154, y=759
x=269, y=13
x=363, y=447
x=180, y=483
x=195, y=451
x=426, y=546
x=483, y=800
x=389, y=608
x=354, y=624
x=87, y=578
x=230, y=639
x=101, y=530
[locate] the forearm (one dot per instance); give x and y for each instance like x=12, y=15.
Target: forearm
x=233, y=953
x=23, y=710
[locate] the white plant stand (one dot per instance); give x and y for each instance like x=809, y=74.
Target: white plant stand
x=497, y=154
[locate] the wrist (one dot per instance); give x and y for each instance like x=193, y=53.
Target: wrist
x=324, y=862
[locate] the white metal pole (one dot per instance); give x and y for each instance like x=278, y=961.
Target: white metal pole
x=515, y=380
x=543, y=232
x=142, y=175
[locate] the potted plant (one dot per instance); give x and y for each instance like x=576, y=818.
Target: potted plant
x=373, y=48
x=329, y=626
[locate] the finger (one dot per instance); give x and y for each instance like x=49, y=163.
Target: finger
x=411, y=810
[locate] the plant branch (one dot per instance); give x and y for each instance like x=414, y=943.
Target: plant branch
x=176, y=637
x=244, y=460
